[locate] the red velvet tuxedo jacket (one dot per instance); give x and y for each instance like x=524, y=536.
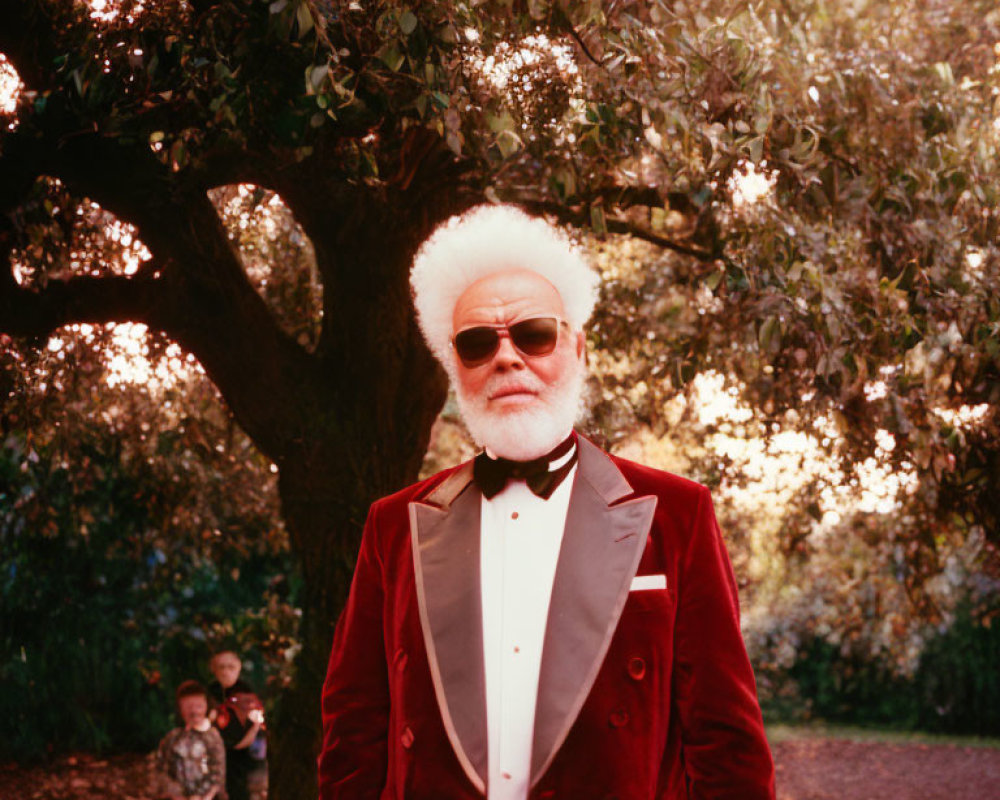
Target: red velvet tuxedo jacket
x=642, y=694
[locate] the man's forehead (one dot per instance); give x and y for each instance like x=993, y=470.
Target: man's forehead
x=510, y=291
x=226, y=656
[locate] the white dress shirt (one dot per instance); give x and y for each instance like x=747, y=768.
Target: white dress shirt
x=520, y=536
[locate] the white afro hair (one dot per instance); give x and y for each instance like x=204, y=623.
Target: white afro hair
x=487, y=239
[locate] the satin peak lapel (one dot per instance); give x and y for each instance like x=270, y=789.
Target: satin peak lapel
x=445, y=536
x=601, y=549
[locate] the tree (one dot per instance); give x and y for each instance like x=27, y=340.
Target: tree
x=349, y=116
x=818, y=187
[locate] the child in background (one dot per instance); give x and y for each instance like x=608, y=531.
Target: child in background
x=239, y=718
x=191, y=760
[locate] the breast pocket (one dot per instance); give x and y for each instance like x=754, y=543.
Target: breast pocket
x=648, y=601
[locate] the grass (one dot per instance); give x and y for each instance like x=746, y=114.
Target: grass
x=780, y=732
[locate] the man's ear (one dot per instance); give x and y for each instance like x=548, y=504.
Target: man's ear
x=581, y=346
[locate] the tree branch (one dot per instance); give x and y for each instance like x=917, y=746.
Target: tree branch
x=563, y=21
x=203, y=299
x=37, y=313
x=580, y=217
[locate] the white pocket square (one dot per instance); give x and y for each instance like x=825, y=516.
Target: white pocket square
x=643, y=582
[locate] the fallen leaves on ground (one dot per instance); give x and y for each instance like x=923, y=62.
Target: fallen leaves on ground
x=807, y=769
x=836, y=769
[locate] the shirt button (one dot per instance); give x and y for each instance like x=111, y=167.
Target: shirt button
x=636, y=668
x=517, y=649
x=514, y=515
x=407, y=738
x=506, y=775
x=618, y=718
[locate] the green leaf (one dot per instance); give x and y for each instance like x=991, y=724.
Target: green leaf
x=598, y=222
x=944, y=74
x=564, y=181
x=769, y=336
x=509, y=143
x=763, y=112
x=500, y=122
x=315, y=76
x=304, y=18
x=407, y=22
x=391, y=57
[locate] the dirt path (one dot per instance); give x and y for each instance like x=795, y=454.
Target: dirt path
x=809, y=768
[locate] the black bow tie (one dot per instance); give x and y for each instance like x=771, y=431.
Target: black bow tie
x=492, y=474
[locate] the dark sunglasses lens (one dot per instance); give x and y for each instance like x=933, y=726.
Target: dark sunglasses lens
x=475, y=345
x=535, y=337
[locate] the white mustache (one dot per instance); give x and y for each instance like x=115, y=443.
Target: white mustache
x=503, y=383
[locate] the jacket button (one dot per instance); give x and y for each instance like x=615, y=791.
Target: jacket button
x=407, y=738
x=618, y=718
x=400, y=660
x=636, y=668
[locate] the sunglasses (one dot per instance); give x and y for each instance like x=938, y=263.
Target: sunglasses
x=532, y=337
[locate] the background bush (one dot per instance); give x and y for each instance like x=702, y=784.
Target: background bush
x=128, y=550
x=955, y=688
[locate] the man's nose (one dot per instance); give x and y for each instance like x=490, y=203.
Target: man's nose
x=507, y=356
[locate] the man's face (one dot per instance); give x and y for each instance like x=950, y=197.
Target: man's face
x=514, y=395
x=226, y=668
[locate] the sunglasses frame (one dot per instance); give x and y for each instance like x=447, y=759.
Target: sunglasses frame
x=503, y=330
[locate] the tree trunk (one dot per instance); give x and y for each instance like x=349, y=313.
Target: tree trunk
x=294, y=741
x=377, y=397
x=325, y=516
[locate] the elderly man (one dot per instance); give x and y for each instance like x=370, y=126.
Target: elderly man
x=546, y=620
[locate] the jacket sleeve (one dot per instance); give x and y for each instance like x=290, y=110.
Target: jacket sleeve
x=725, y=752
x=355, y=701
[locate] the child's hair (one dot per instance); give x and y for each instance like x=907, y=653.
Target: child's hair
x=190, y=689
x=221, y=651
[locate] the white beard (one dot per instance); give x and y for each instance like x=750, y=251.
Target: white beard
x=532, y=432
